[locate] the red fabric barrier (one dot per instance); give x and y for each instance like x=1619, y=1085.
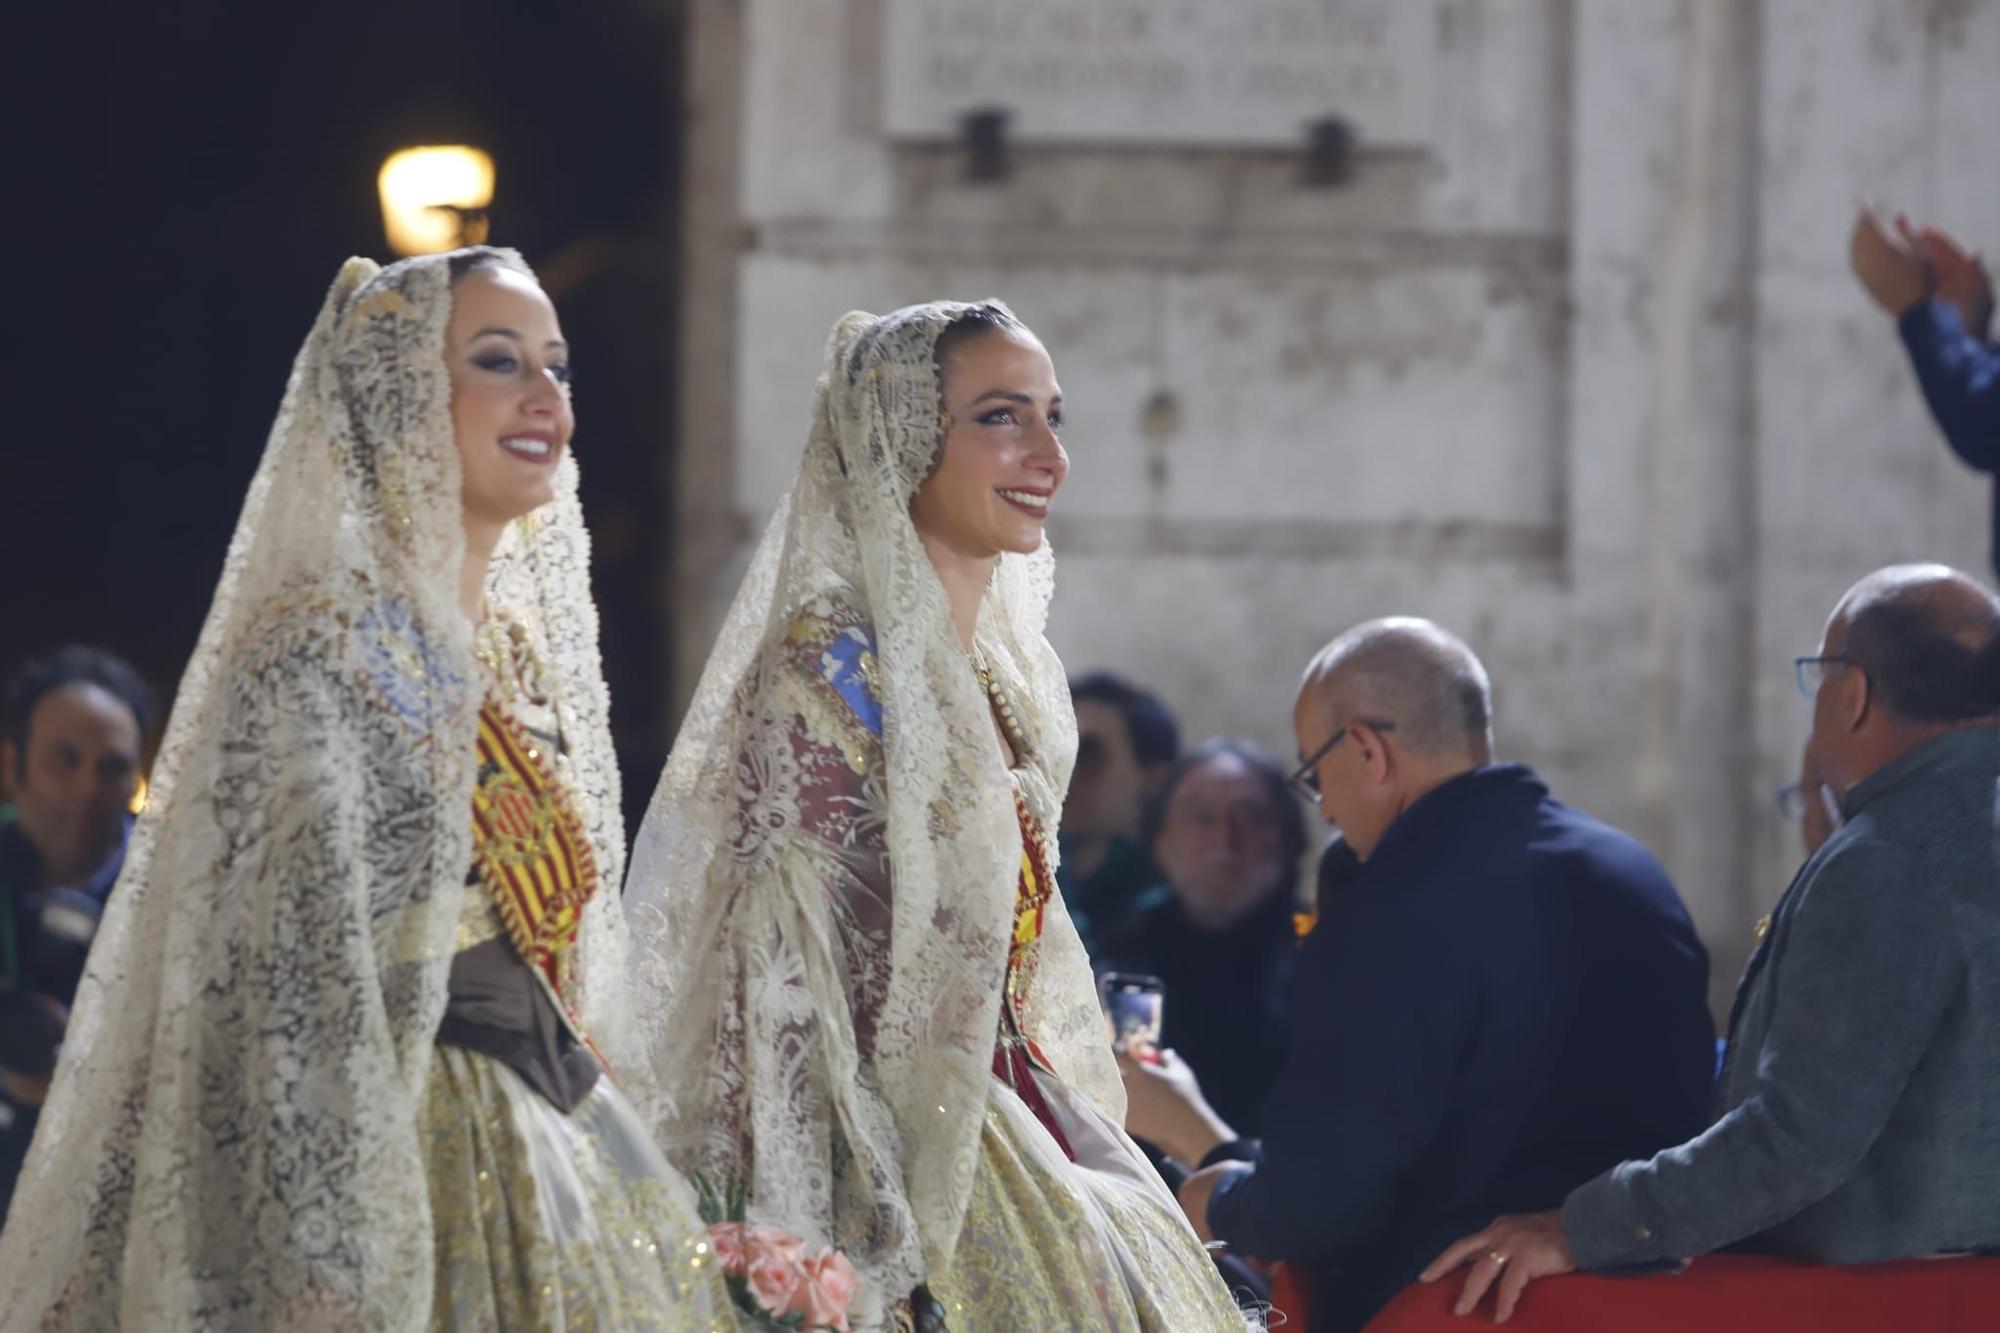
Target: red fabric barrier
x=1727, y=1293
x=1288, y=1298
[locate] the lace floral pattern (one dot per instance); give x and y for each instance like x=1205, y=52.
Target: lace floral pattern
x=831, y=1021
x=232, y=1137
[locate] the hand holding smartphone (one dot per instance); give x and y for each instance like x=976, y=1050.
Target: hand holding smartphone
x=1135, y=1003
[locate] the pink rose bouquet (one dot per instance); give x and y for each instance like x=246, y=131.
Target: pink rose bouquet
x=770, y=1273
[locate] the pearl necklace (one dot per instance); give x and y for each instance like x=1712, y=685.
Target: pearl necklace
x=1010, y=726
x=514, y=668
x=1003, y=708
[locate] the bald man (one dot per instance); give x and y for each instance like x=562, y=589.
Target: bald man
x=1504, y=998
x=1859, y=1108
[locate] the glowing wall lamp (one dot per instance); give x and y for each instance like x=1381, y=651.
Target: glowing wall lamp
x=435, y=199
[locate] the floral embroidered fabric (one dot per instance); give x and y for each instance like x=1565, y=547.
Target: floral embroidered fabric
x=824, y=894
x=235, y=1136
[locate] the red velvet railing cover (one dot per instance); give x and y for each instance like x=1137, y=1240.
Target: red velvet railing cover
x=1726, y=1293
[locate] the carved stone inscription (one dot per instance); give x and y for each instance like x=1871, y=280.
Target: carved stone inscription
x=1203, y=72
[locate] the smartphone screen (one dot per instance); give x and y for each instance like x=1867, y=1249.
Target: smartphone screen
x=1135, y=1004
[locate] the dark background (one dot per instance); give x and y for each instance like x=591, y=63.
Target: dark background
x=183, y=182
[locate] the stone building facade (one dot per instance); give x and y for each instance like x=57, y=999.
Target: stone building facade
x=1570, y=362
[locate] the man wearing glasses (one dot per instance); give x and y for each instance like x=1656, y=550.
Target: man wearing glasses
x=1859, y=1105
x=1503, y=1000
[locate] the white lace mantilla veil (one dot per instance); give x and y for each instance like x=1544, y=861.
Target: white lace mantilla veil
x=232, y=1136
x=744, y=952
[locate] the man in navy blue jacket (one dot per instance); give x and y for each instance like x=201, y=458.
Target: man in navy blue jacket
x=1504, y=999
x=1942, y=302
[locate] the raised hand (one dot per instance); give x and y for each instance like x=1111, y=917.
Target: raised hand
x=1958, y=276
x=1891, y=269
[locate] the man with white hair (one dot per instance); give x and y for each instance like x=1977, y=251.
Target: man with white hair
x=1505, y=998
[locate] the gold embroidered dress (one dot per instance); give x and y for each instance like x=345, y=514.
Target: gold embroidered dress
x=1066, y=1224
x=881, y=1023
x=293, y=1095
x=553, y=1209
x=1104, y=1198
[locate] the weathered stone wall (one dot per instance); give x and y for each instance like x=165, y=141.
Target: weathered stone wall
x=1584, y=378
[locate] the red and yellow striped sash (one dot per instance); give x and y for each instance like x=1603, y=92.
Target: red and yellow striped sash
x=1031, y=900
x=529, y=846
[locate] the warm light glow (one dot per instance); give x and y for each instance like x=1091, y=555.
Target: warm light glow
x=421, y=188
x=138, y=806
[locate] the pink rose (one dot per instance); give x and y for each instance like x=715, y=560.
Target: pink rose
x=774, y=1281
x=730, y=1250
x=772, y=1242
x=828, y=1288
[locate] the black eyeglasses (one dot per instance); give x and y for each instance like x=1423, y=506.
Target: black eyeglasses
x=1306, y=779
x=1811, y=671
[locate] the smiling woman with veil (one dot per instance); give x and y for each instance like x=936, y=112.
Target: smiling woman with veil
x=878, y=1018
x=335, y=1062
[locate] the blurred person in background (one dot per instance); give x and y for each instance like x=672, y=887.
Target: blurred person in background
x=1227, y=834
x=1127, y=742
x=75, y=727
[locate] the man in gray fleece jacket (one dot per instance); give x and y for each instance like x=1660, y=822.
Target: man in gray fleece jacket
x=1858, y=1113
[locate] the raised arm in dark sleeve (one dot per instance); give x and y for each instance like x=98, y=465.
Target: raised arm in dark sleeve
x=1960, y=377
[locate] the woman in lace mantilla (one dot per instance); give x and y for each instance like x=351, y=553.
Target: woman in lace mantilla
x=339, y=1058
x=881, y=1021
